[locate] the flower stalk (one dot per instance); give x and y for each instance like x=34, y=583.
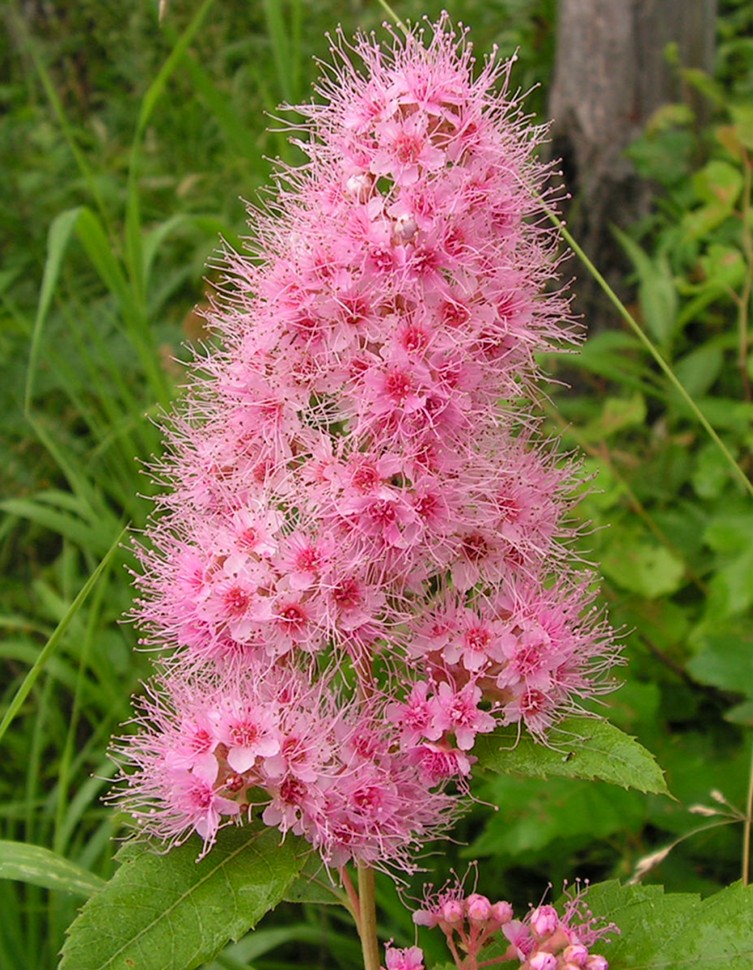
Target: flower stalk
x=367, y=927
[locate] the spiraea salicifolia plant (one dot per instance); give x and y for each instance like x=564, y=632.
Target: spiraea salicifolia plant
x=360, y=560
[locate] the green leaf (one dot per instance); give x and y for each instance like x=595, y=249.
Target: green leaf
x=726, y=661
x=582, y=747
x=539, y=813
x=656, y=289
x=172, y=912
x=314, y=885
x=741, y=714
x=698, y=370
x=660, y=930
x=645, y=568
x=41, y=867
x=718, y=182
x=723, y=267
x=718, y=185
x=615, y=355
x=617, y=413
x=742, y=116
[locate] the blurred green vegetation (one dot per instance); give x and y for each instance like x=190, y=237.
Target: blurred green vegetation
x=125, y=146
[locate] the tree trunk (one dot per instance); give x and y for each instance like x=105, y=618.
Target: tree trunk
x=610, y=76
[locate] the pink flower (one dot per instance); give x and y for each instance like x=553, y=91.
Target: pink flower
x=360, y=558
x=248, y=732
x=195, y=796
x=458, y=713
x=410, y=959
x=415, y=716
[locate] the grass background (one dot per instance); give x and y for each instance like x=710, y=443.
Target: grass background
x=125, y=146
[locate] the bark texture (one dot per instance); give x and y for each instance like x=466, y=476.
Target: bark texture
x=611, y=75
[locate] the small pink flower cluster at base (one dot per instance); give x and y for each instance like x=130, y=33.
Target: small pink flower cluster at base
x=543, y=940
x=224, y=741
x=362, y=559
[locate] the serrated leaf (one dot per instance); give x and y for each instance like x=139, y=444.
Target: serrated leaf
x=661, y=930
x=583, y=747
x=41, y=867
x=170, y=912
x=314, y=885
x=539, y=813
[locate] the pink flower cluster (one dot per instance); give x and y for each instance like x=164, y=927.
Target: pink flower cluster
x=328, y=768
x=361, y=561
x=544, y=940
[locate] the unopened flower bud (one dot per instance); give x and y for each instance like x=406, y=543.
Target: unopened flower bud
x=544, y=921
x=425, y=917
x=575, y=954
x=452, y=912
x=478, y=908
x=542, y=961
x=405, y=228
x=502, y=912
x=358, y=186
x=596, y=962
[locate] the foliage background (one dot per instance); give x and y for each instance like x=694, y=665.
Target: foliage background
x=124, y=148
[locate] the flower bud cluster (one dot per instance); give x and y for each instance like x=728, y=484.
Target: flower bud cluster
x=356, y=495
x=543, y=940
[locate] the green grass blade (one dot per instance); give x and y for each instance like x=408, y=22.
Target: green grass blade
x=49, y=648
x=30, y=45
x=737, y=471
x=134, y=252
x=282, y=51
x=58, y=237
x=41, y=867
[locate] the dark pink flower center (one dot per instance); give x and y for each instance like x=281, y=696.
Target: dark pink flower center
x=408, y=148
x=365, y=478
x=248, y=538
x=455, y=314
x=414, y=339
x=292, y=791
x=475, y=547
x=398, y=386
x=308, y=560
x=293, y=615
x=201, y=741
x=347, y=594
x=382, y=513
x=236, y=601
x=244, y=734
x=426, y=506
x=533, y=701
x=478, y=638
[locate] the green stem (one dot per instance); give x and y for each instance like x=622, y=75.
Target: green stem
x=367, y=928
x=391, y=13
x=744, y=298
x=631, y=322
x=748, y=822
x=351, y=903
